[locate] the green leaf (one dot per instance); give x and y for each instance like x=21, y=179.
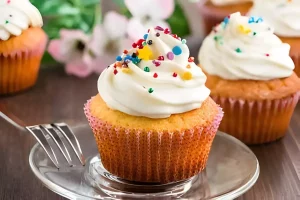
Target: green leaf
x=178, y=22
x=90, y=2
x=47, y=59
x=57, y=8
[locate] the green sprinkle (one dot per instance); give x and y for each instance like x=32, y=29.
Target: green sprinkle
x=183, y=41
x=238, y=50
x=144, y=43
x=147, y=69
x=254, y=33
x=6, y=22
x=150, y=90
x=216, y=38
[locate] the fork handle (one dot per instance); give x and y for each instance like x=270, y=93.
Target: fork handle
x=11, y=118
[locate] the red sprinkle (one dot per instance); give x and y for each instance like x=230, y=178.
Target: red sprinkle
x=267, y=54
x=167, y=31
x=148, y=30
x=175, y=36
x=125, y=52
x=155, y=75
x=115, y=72
x=115, y=65
x=191, y=59
x=161, y=58
x=174, y=74
x=134, y=45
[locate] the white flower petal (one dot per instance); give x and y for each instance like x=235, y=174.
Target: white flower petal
x=98, y=41
x=138, y=8
x=160, y=9
x=136, y=29
x=115, y=25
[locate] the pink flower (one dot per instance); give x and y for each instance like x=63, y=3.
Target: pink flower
x=108, y=41
x=70, y=49
x=147, y=14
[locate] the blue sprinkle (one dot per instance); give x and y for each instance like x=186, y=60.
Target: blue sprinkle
x=183, y=41
x=259, y=20
x=226, y=20
x=145, y=36
x=119, y=58
x=177, y=50
x=128, y=57
x=251, y=20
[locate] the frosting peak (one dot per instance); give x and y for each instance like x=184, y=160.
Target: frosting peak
x=283, y=15
x=17, y=16
x=155, y=79
x=245, y=48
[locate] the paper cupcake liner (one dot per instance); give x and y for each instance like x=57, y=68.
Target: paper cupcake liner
x=152, y=156
x=256, y=122
x=19, y=70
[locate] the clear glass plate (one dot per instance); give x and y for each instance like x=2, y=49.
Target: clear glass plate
x=232, y=169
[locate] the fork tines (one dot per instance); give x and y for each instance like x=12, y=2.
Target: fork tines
x=59, y=133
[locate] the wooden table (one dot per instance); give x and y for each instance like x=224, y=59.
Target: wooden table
x=58, y=97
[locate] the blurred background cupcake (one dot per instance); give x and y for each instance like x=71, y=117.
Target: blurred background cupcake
x=284, y=16
x=153, y=119
x=250, y=74
x=22, y=45
x=214, y=11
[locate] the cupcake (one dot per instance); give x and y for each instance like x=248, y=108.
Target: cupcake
x=153, y=119
x=250, y=74
x=214, y=11
x=284, y=16
x=22, y=44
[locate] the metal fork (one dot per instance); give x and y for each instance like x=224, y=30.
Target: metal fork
x=56, y=131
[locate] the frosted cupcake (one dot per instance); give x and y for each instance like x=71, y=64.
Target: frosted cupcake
x=250, y=74
x=284, y=16
x=153, y=119
x=22, y=44
x=214, y=11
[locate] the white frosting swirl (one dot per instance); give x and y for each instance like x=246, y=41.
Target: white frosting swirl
x=283, y=15
x=131, y=92
x=245, y=48
x=17, y=16
x=227, y=2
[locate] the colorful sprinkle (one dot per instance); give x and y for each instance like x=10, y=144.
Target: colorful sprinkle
x=170, y=55
x=226, y=20
x=150, y=90
x=155, y=75
x=259, y=20
x=119, y=58
x=119, y=64
x=147, y=69
x=175, y=36
x=157, y=34
x=187, y=76
x=146, y=36
x=188, y=66
x=134, y=45
x=191, y=59
x=159, y=28
x=161, y=58
x=156, y=63
x=254, y=33
x=144, y=43
x=244, y=29
x=145, y=53
x=183, y=41
x=251, y=20
x=267, y=54
x=126, y=70
x=150, y=42
x=217, y=38
x=115, y=72
x=6, y=22
x=167, y=31
x=136, y=60
x=177, y=50
x=174, y=74
x=238, y=50
x=125, y=52
x=115, y=65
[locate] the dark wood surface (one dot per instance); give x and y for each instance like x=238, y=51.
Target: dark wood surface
x=60, y=97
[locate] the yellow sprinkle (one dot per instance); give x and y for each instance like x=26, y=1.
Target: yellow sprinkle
x=187, y=76
x=244, y=29
x=145, y=53
x=126, y=70
x=188, y=66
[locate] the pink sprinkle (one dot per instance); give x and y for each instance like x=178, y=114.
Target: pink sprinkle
x=8, y=1
x=159, y=28
x=170, y=55
x=267, y=54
